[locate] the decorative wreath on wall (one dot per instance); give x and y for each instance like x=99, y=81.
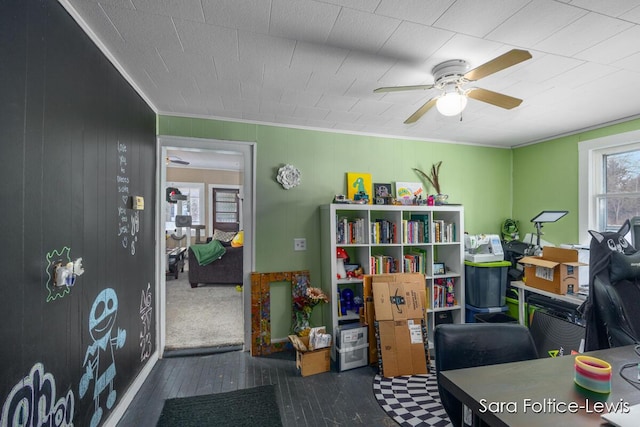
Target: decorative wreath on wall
x=288, y=176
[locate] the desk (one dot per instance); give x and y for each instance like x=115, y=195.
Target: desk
x=574, y=299
x=537, y=380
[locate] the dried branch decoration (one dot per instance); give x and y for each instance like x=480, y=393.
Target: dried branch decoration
x=433, y=177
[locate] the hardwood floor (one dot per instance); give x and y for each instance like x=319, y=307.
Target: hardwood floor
x=327, y=399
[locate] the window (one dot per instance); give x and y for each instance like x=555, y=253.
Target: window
x=618, y=197
x=194, y=205
x=609, y=182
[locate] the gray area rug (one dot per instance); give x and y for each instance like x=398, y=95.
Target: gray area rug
x=206, y=316
x=247, y=407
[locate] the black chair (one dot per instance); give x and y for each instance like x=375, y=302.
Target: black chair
x=477, y=344
x=618, y=306
x=612, y=311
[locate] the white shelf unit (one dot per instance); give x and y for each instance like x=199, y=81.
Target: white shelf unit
x=448, y=250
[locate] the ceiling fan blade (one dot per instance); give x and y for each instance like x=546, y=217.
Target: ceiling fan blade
x=420, y=112
x=177, y=160
x=495, y=98
x=513, y=57
x=401, y=88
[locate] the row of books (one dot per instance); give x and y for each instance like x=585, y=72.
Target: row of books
x=415, y=261
x=383, y=231
x=350, y=231
x=444, y=232
x=382, y=264
x=414, y=230
x=443, y=293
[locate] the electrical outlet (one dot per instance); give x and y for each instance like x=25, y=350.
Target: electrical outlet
x=299, y=244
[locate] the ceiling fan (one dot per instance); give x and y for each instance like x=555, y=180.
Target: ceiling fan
x=451, y=76
x=177, y=160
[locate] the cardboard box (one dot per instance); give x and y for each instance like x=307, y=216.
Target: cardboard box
x=310, y=362
x=368, y=315
x=555, y=271
x=399, y=301
x=402, y=348
x=398, y=296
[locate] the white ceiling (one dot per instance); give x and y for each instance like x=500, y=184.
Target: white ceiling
x=315, y=63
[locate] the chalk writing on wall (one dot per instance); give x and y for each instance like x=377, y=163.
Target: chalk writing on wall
x=32, y=402
x=128, y=225
x=99, y=360
x=145, y=316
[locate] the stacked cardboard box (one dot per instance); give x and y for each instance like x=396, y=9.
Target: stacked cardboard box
x=555, y=271
x=399, y=302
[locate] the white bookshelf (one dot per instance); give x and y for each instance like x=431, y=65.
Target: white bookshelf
x=447, y=249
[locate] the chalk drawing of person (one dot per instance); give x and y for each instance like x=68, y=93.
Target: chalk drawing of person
x=99, y=361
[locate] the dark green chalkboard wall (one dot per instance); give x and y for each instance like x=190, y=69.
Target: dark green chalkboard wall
x=75, y=141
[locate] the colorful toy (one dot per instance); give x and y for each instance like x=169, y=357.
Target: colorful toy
x=341, y=256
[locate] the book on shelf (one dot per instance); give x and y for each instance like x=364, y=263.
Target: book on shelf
x=383, y=231
x=444, y=296
x=444, y=232
x=421, y=220
x=349, y=231
x=415, y=230
x=415, y=261
x=383, y=264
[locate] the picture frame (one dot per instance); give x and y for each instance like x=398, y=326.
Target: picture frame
x=382, y=194
x=408, y=193
x=359, y=187
x=439, y=268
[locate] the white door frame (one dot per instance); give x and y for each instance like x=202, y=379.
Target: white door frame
x=248, y=150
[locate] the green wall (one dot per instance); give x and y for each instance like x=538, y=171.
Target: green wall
x=477, y=177
x=545, y=177
x=493, y=184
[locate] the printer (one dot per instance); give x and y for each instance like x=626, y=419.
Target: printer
x=483, y=248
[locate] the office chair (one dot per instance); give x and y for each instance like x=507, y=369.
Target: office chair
x=619, y=308
x=477, y=344
x=612, y=311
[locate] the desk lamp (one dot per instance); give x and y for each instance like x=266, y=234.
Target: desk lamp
x=542, y=217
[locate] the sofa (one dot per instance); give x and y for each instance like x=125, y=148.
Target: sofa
x=227, y=269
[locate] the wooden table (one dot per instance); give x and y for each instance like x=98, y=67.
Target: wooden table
x=537, y=392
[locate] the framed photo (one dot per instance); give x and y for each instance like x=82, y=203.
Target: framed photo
x=439, y=268
x=408, y=193
x=359, y=186
x=382, y=194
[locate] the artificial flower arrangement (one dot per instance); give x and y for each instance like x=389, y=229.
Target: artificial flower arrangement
x=304, y=300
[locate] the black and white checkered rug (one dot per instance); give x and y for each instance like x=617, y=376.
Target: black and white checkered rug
x=411, y=400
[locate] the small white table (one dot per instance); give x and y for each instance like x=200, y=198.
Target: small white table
x=574, y=299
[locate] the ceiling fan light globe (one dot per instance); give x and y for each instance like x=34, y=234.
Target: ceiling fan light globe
x=451, y=104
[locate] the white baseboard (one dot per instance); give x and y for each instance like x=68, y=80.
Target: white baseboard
x=116, y=415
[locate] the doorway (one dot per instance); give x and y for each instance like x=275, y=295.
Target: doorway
x=200, y=155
